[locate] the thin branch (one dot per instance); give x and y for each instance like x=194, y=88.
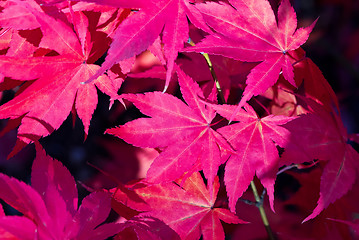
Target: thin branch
x=259, y=201
x=214, y=76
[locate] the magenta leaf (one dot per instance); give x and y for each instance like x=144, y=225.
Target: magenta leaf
x=249, y=32
x=183, y=129
x=50, y=211
x=322, y=136
x=254, y=140
x=195, y=213
x=12, y=224
x=139, y=31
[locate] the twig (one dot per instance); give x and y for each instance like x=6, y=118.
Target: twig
x=259, y=204
x=214, y=76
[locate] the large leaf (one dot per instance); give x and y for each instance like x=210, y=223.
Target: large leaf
x=183, y=129
x=249, y=32
x=50, y=206
x=49, y=99
x=254, y=140
x=139, y=31
x=189, y=210
x=322, y=136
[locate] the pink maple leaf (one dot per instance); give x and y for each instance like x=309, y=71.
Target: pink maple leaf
x=139, y=31
x=182, y=129
x=48, y=100
x=250, y=32
x=254, y=140
x=49, y=206
x=189, y=210
x=322, y=136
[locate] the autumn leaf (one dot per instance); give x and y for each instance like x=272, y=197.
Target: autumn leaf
x=254, y=140
x=55, y=55
x=138, y=32
x=322, y=136
x=250, y=32
x=49, y=206
x=182, y=129
x=49, y=99
x=17, y=17
x=337, y=179
x=12, y=223
x=189, y=210
x=146, y=228
x=315, y=85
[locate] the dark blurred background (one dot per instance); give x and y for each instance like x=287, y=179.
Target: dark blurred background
x=334, y=47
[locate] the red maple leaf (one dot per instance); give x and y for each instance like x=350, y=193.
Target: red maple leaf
x=254, y=140
x=139, y=31
x=322, y=136
x=249, y=32
x=49, y=206
x=189, y=210
x=315, y=85
x=143, y=227
x=17, y=17
x=183, y=130
x=8, y=222
x=48, y=100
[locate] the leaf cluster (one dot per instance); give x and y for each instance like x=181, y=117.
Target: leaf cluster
x=250, y=105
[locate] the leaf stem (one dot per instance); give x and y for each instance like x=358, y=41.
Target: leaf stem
x=214, y=76
x=262, y=212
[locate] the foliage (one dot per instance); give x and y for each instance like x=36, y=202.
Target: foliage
x=209, y=146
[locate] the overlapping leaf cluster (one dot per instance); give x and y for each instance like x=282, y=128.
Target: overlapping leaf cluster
x=49, y=51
